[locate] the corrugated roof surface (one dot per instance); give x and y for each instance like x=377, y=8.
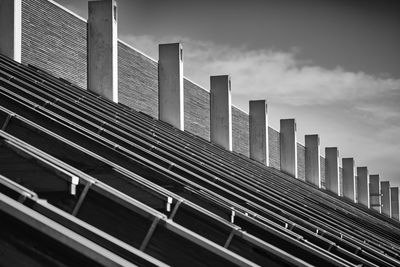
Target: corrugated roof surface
x=125, y=187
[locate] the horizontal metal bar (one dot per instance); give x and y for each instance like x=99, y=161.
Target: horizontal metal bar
x=17, y=187
x=60, y=233
x=75, y=224
x=207, y=244
x=284, y=255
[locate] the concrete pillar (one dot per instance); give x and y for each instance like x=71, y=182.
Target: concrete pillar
x=288, y=146
x=170, y=84
x=385, y=191
x=102, y=48
x=332, y=169
x=313, y=160
x=394, y=199
x=363, y=186
x=221, y=111
x=258, y=131
x=375, y=192
x=10, y=29
x=349, y=179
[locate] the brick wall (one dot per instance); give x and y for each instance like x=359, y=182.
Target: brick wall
x=54, y=40
x=137, y=80
x=322, y=171
x=197, y=110
x=301, y=162
x=240, y=131
x=274, y=148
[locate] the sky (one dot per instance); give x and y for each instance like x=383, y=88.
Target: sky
x=332, y=65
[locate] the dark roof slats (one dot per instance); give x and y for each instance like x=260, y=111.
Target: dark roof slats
x=272, y=186
x=28, y=237
x=22, y=107
x=92, y=211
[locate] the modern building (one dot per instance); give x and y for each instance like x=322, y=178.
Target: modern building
x=110, y=158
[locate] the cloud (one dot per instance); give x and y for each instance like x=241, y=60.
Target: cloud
x=356, y=111
x=285, y=80
x=280, y=75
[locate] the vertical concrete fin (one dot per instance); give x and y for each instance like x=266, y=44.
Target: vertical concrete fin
x=332, y=169
x=221, y=111
x=385, y=191
x=102, y=46
x=11, y=28
x=375, y=192
x=258, y=131
x=288, y=146
x=349, y=179
x=363, y=186
x=170, y=84
x=313, y=159
x=394, y=199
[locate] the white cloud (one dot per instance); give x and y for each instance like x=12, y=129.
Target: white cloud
x=356, y=111
x=278, y=75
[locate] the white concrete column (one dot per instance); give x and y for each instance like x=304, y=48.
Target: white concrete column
x=258, y=131
x=102, y=48
x=385, y=191
x=11, y=29
x=288, y=146
x=363, y=186
x=332, y=169
x=313, y=160
x=221, y=111
x=349, y=179
x=375, y=192
x=170, y=84
x=394, y=199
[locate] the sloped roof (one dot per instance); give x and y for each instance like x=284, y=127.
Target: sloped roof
x=134, y=189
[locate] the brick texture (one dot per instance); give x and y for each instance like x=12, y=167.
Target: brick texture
x=301, y=162
x=54, y=40
x=274, y=148
x=240, y=131
x=197, y=110
x=137, y=80
x=322, y=172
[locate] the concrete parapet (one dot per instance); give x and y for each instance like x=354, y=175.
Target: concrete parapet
x=363, y=186
x=11, y=29
x=221, y=111
x=313, y=160
x=394, y=202
x=258, y=131
x=385, y=191
x=102, y=48
x=170, y=84
x=349, y=179
x=332, y=169
x=288, y=146
x=375, y=192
